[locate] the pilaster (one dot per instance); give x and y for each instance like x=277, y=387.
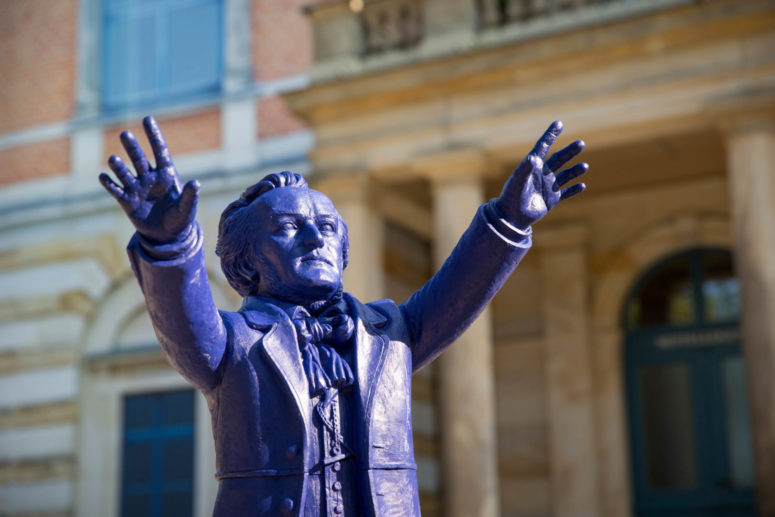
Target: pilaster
x=572, y=436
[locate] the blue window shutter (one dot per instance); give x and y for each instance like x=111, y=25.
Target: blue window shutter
x=194, y=59
x=129, y=74
x=160, y=51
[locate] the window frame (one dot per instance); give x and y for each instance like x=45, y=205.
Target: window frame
x=155, y=436
x=163, y=92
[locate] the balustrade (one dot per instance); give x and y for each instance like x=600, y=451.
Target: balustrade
x=494, y=13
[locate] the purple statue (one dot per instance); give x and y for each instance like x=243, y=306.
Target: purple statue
x=308, y=388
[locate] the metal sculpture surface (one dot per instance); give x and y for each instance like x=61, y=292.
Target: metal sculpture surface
x=308, y=388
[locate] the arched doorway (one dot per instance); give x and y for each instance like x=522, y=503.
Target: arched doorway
x=689, y=422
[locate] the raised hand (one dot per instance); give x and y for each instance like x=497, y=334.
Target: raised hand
x=534, y=188
x=152, y=198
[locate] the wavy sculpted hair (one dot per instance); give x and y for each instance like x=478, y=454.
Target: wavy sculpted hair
x=240, y=257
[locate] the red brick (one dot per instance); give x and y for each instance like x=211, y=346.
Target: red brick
x=282, y=38
x=275, y=119
x=38, y=160
x=184, y=134
x=38, y=60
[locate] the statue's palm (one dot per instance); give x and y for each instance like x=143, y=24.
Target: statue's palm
x=534, y=189
x=156, y=205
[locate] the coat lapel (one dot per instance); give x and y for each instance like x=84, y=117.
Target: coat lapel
x=280, y=346
x=370, y=349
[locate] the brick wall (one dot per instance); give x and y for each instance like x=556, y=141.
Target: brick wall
x=38, y=60
x=282, y=38
x=37, y=160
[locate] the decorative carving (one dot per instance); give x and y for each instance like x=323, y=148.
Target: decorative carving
x=391, y=24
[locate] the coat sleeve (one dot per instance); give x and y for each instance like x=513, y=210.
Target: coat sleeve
x=487, y=253
x=174, y=281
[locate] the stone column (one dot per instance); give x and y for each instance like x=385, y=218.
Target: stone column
x=751, y=172
x=238, y=110
x=572, y=450
x=465, y=371
x=351, y=194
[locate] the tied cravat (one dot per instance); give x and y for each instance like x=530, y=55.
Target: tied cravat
x=324, y=366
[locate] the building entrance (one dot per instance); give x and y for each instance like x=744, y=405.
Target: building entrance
x=689, y=421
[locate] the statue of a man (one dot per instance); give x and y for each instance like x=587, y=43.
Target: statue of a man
x=308, y=388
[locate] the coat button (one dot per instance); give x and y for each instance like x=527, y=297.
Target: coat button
x=287, y=504
x=337, y=486
x=292, y=451
x=338, y=508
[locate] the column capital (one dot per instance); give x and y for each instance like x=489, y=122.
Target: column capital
x=462, y=165
x=752, y=110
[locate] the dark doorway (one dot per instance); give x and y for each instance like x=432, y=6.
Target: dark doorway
x=689, y=421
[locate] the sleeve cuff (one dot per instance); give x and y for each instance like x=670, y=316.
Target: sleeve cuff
x=516, y=236
x=182, y=246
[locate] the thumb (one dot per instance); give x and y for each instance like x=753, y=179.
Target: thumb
x=189, y=197
x=512, y=190
x=525, y=169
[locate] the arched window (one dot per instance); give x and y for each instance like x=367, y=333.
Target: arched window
x=688, y=411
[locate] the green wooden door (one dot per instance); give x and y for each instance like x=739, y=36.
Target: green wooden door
x=691, y=452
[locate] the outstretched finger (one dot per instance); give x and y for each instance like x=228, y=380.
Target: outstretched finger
x=568, y=174
x=122, y=172
x=561, y=157
x=158, y=144
x=113, y=189
x=572, y=191
x=134, y=151
x=547, y=139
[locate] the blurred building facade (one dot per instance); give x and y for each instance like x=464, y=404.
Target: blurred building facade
x=615, y=375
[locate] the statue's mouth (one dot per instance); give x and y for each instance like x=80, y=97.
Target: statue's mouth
x=316, y=258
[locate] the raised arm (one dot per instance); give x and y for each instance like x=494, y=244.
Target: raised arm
x=166, y=255
x=490, y=249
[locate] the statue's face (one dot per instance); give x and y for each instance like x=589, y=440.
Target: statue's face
x=300, y=236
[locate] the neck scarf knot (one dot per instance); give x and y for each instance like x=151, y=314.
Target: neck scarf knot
x=318, y=338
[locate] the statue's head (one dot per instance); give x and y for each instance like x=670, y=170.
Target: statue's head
x=284, y=240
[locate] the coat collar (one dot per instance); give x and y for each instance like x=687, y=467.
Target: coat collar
x=261, y=312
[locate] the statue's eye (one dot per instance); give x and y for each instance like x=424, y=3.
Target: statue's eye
x=287, y=226
x=326, y=227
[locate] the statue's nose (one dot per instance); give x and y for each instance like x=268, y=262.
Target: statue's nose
x=311, y=236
